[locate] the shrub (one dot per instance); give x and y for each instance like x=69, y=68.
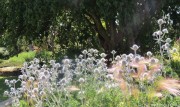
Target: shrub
x=3, y=52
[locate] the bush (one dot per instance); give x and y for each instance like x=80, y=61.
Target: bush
x=3, y=52
x=175, y=63
x=44, y=55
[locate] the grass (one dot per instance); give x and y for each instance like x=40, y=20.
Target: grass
x=18, y=60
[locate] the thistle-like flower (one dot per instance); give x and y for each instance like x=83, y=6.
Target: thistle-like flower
x=161, y=21
x=81, y=80
x=103, y=55
x=168, y=40
x=149, y=54
x=135, y=47
x=113, y=52
x=165, y=31
x=159, y=32
x=84, y=52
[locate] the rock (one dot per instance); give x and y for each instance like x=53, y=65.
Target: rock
x=10, y=71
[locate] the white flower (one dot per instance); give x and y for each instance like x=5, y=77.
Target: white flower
x=36, y=60
x=110, y=76
x=6, y=93
x=44, y=66
x=102, y=60
x=25, y=65
x=167, y=45
x=66, y=61
x=23, y=83
x=91, y=50
x=20, y=77
x=96, y=51
x=113, y=52
x=12, y=89
x=80, y=56
x=57, y=65
x=153, y=60
x=31, y=78
x=46, y=73
x=118, y=58
x=137, y=59
x=155, y=34
x=163, y=47
x=81, y=80
x=128, y=58
x=159, y=32
x=124, y=56
x=13, y=81
x=84, y=52
x=42, y=77
x=96, y=70
x=135, y=47
x=131, y=55
x=52, y=62
x=6, y=81
x=168, y=40
x=165, y=31
x=149, y=53
x=124, y=63
x=103, y=55
x=161, y=21
x=42, y=93
x=24, y=76
x=35, y=90
x=174, y=50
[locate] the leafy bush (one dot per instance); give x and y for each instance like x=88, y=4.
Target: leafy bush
x=3, y=52
x=44, y=55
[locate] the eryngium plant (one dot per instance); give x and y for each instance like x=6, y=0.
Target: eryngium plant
x=54, y=82
x=133, y=68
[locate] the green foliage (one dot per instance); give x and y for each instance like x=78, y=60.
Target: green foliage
x=3, y=52
x=23, y=104
x=176, y=67
x=19, y=59
x=175, y=63
x=44, y=55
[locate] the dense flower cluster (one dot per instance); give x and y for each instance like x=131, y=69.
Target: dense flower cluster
x=39, y=81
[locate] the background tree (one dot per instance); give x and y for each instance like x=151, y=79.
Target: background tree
x=115, y=25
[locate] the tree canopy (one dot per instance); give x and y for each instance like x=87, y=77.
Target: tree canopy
x=107, y=24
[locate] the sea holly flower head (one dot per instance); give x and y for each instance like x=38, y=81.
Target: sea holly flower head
x=103, y=55
x=149, y=53
x=159, y=32
x=161, y=21
x=168, y=40
x=165, y=31
x=135, y=47
x=113, y=52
